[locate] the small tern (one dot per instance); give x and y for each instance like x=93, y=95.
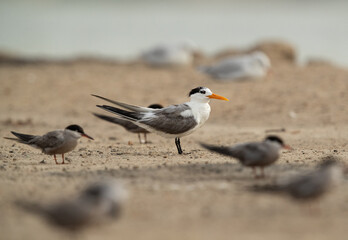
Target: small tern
x=97, y=203
x=253, y=154
x=254, y=65
x=54, y=142
x=128, y=125
x=174, y=121
x=312, y=185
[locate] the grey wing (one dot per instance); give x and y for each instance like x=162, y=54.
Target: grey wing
x=170, y=120
x=50, y=140
x=128, y=125
x=249, y=153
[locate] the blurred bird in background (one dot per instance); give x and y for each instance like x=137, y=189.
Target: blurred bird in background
x=164, y=55
x=254, y=65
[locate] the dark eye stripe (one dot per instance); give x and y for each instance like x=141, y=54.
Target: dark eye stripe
x=203, y=92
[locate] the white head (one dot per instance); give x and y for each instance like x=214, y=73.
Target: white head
x=262, y=59
x=203, y=94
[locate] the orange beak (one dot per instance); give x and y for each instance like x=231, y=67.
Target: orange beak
x=287, y=147
x=218, y=97
x=86, y=136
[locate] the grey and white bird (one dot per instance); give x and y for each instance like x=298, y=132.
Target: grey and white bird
x=128, y=125
x=54, y=142
x=170, y=54
x=253, y=65
x=174, y=121
x=97, y=203
x=309, y=186
x=253, y=154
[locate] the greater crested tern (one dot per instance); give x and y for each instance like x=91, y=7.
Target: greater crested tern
x=174, y=121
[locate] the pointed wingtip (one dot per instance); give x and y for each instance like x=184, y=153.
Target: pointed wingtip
x=204, y=145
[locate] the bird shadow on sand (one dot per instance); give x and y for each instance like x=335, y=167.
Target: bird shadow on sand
x=182, y=173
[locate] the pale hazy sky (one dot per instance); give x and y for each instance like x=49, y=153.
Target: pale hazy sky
x=123, y=28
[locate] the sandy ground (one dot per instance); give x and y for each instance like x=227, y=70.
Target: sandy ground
x=199, y=195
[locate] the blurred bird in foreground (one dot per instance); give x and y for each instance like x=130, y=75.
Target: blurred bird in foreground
x=128, y=125
x=253, y=154
x=312, y=185
x=253, y=65
x=170, y=54
x=54, y=142
x=96, y=204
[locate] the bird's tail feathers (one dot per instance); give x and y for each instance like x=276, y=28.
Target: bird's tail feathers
x=31, y=207
x=23, y=138
x=222, y=150
x=109, y=119
x=132, y=116
x=125, y=105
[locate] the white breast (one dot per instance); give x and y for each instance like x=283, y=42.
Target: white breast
x=200, y=112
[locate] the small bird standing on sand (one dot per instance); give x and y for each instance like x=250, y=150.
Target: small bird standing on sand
x=97, y=203
x=128, y=125
x=253, y=65
x=174, y=121
x=253, y=154
x=55, y=142
x=311, y=185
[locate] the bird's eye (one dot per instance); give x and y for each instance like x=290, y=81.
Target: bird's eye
x=202, y=91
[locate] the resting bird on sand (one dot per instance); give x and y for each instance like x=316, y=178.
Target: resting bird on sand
x=55, y=142
x=165, y=55
x=253, y=154
x=128, y=125
x=96, y=204
x=253, y=65
x=174, y=121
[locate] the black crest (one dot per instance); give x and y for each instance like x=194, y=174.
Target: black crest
x=155, y=106
x=75, y=128
x=275, y=139
x=195, y=90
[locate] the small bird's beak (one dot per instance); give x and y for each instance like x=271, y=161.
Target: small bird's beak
x=287, y=147
x=86, y=136
x=217, y=97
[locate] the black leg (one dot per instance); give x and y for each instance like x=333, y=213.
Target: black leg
x=145, y=138
x=177, y=143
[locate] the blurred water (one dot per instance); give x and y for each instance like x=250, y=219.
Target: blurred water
x=54, y=28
